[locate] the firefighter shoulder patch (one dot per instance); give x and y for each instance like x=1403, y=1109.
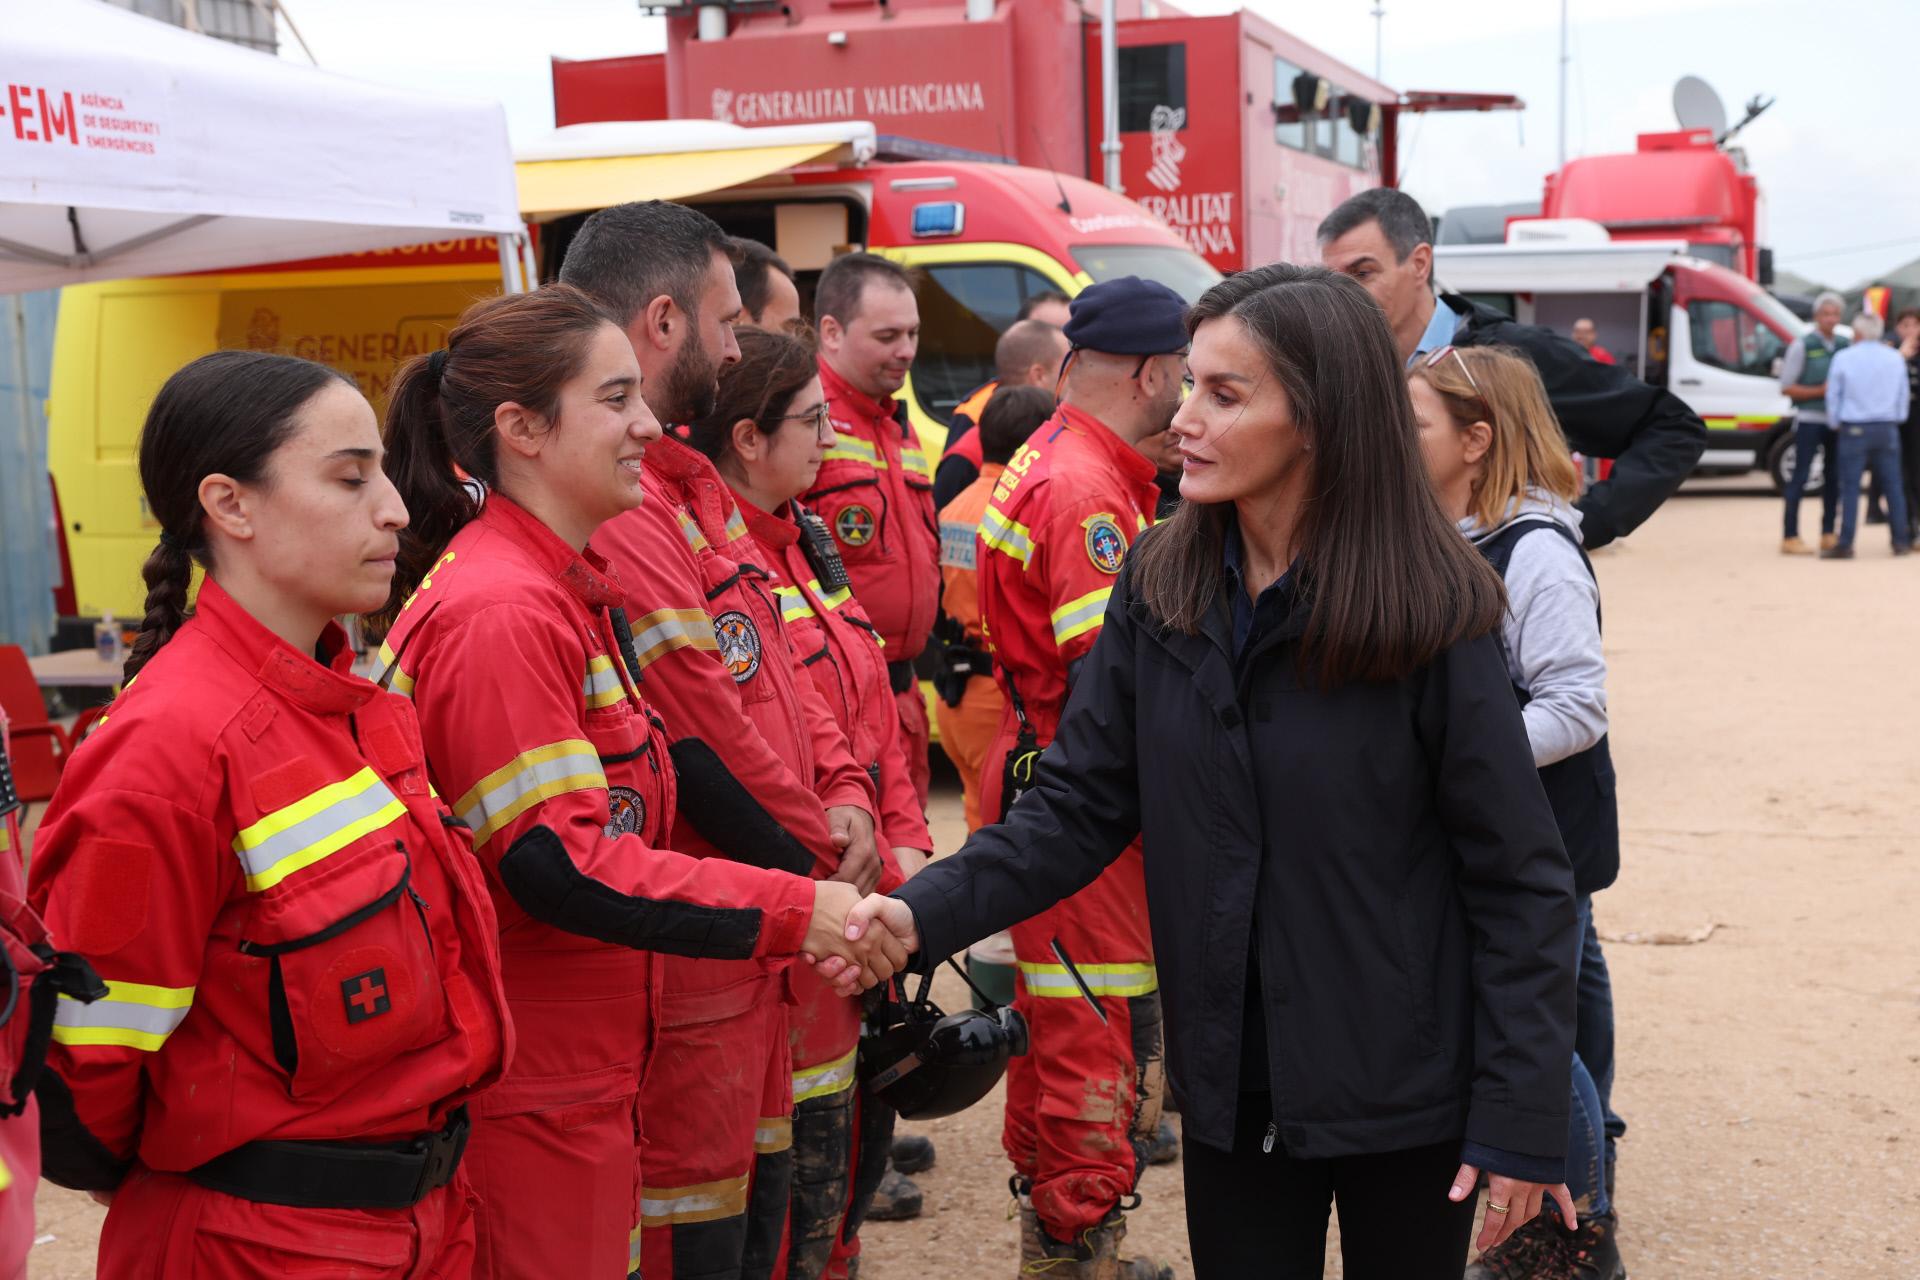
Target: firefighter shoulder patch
x=739, y=645
x=626, y=812
x=855, y=525
x=1106, y=545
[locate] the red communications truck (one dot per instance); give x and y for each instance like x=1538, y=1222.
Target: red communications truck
x=1238, y=135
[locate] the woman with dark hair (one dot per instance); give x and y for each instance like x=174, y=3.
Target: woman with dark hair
x=301, y=962
x=1361, y=910
x=767, y=436
x=520, y=666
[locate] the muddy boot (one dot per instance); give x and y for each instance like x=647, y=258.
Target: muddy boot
x=1165, y=1146
x=1094, y=1256
x=1537, y=1251
x=1594, y=1250
x=912, y=1153
x=897, y=1199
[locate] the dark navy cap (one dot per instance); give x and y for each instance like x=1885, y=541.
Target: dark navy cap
x=1128, y=316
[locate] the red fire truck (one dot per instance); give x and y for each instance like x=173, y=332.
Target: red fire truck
x=1238, y=135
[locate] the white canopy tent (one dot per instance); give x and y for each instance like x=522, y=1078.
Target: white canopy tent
x=131, y=148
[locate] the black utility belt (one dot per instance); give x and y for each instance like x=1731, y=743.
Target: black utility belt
x=900, y=676
x=340, y=1175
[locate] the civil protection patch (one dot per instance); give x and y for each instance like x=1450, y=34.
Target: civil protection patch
x=626, y=812
x=1106, y=545
x=739, y=645
x=855, y=525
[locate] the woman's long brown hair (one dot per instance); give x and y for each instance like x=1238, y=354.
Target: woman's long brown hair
x=1387, y=580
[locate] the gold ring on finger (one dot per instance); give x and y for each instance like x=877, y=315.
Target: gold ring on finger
x=1496, y=1208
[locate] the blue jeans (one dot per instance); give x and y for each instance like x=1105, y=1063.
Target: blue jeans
x=1808, y=436
x=1591, y=1124
x=1876, y=445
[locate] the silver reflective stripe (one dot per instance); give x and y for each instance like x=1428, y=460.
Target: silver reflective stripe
x=566, y=766
x=131, y=1015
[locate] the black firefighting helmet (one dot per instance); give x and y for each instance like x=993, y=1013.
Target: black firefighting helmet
x=926, y=1064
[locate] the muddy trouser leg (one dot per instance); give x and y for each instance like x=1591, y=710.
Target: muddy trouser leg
x=722, y=1047
x=1096, y=1083
x=825, y=1042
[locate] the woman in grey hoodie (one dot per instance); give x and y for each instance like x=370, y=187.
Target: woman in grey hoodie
x=1502, y=468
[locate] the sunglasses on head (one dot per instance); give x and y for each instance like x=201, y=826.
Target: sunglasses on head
x=1438, y=354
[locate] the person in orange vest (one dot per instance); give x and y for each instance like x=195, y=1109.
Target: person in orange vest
x=970, y=704
x=767, y=437
x=303, y=989
x=875, y=489
x=1028, y=354
x=525, y=672
x=764, y=767
x=1052, y=540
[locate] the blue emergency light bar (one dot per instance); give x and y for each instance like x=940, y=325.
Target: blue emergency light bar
x=941, y=218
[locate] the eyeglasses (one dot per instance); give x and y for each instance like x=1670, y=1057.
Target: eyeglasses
x=1139, y=368
x=1438, y=354
x=817, y=415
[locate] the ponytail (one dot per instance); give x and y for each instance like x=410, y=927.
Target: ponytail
x=168, y=573
x=516, y=348
x=422, y=467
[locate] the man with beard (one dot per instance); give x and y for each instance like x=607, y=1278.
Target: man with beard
x=765, y=773
x=1051, y=544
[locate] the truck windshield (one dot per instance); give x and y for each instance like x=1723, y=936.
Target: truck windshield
x=1182, y=270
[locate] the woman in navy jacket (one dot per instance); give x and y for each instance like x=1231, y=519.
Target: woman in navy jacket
x=1362, y=912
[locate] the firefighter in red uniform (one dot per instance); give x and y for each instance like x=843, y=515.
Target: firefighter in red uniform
x=763, y=767
x=1028, y=354
x=525, y=674
x=1053, y=538
x=875, y=490
x=767, y=436
x=301, y=965
x=971, y=704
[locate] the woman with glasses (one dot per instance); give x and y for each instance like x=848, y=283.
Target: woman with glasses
x=767, y=435
x=1361, y=909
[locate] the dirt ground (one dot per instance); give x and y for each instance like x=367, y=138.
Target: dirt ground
x=1763, y=729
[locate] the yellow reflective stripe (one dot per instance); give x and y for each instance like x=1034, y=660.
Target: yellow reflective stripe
x=691, y=531
x=1742, y=422
x=702, y=1202
x=526, y=780
x=793, y=604
x=851, y=448
x=1139, y=521
x=1053, y=980
x=772, y=1134
x=633, y=1252
x=6, y=837
x=1077, y=617
x=831, y=599
x=402, y=683
x=825, y=1078
x=664, y=630
x=310, y=829
x=132, y=1015
x=914, y=456
x=736, y=527
x=1009, y=537
x=602, y=687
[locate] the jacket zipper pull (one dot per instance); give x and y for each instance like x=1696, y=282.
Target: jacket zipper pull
x=1266, y=1143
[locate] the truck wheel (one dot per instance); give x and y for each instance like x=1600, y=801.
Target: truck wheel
x=1780, y=459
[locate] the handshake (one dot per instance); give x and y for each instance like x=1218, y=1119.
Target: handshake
x=856, y=943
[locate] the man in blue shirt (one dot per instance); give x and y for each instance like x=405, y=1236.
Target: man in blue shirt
x=1867, y=400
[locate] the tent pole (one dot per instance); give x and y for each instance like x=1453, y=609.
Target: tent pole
x=509, y=275
x=527, y=259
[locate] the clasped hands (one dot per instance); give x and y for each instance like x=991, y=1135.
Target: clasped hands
x=856, y=943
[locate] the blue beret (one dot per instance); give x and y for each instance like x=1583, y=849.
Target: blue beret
x=1128, y=316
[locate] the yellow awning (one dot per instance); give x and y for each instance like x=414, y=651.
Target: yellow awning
x=551, y=188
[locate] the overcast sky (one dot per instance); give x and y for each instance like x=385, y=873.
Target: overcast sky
x=1838, y=157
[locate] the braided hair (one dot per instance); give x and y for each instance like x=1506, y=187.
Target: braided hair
x=223, y=414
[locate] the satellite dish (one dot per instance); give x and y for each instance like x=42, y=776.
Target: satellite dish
x=1697, y=106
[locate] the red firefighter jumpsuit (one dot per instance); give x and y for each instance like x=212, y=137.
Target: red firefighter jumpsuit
x=841, y=1142
x=759, y=758
x=1053, y=538
x=967, y=731
x=876, y=496
x=533, y=721
x=295, y=948
x=20, y=1134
